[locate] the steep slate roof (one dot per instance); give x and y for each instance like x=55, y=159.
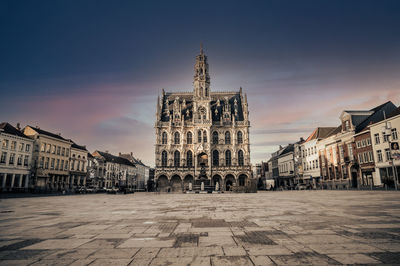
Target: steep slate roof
x=132, y=159
x=394, y=113
x=9, y=129
x=378, y=115
x=47, y=133
x=287, y=149
x=79, y=147
x=169, y=98
x=115, y=159
x=321, y=133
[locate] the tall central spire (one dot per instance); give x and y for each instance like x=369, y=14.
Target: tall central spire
x=201, y=81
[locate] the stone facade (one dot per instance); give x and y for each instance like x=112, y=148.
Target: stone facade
x=15, y=159
x=202, y=136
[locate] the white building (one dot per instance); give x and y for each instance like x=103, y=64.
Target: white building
x=286, y=167
x=51, y=159
x=15, y=161
x=78, y=166
x=383, y=133
x=310, y=154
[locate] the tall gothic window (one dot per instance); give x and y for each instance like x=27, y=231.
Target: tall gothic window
x=189, y=138
x=164, y=138
x=227, y=137
x=164, y=158
x=240, y=137
x=205, y=136
x=241, y=157
x=177, y=138
x=215, y=158
x=189, y=159
x=215, y=137
x=228, y=158
x=177, y=158
x=199, y=136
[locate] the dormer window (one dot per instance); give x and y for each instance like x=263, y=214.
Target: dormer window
x=347, y=125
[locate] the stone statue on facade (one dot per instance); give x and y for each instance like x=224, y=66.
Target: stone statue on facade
x=190, y=186
x=202, y=186
x=217, y=186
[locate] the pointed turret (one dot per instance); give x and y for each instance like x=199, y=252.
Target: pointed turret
x=201, y=81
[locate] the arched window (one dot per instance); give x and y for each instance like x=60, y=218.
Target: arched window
x=240, y=137
x=177, y=138
x=199, y=136
x=215, y=137
x=189, y=137
x=164, y=138
x=215, y=158
x=164, y=158
x=240, y=158
x=177, y=158
x=205, y=136
x=189, y=159
x=227, y=137
x=228, y=158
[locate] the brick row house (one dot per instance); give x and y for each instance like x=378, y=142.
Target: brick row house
x=355, y=154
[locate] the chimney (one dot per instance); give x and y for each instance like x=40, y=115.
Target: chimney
x=18, y=126
x=106, y=151
x=301, y=139
x=119, y=154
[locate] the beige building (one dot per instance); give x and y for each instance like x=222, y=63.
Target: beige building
x=202, y=136
x=15, y=159
x=385, y=146
x=51, y=155
x=78, y=166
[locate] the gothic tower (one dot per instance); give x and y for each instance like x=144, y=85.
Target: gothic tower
x=201, y=81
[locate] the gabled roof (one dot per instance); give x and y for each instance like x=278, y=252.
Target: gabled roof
x=9, y=129
x=132, y=159
x=320, y=133
x=79, y=147
x=378, y=115
x=47, y=133
x=287, y=149
x=114, y=159
x=394, y=113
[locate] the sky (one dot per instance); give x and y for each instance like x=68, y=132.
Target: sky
x=92, y=70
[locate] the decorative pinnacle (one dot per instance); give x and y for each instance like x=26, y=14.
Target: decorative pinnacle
x=201, y=48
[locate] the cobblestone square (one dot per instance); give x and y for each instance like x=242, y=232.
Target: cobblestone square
x=266, y=228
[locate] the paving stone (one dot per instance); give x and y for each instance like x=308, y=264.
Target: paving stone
x=101, y=243
x=216, y=241
x=386, y=257
x=113, y=262
x=261, y=260
x=58, y=244
x=190, y=252
x=147, y=253
x=303, y=258
x=16, y=262
x=268, y=250
x=81, y=262
x=60, y=262
x=353, y=259
x=147, y=242
x=234, y=251
x=71, y=254
x=228, y=261
x=114, y=253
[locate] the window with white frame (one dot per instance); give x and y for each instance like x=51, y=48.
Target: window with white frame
x=394, y=134
x=368, y=142
x=371, y=156
x=379, y=155
x=388, y=155
x=377, y=140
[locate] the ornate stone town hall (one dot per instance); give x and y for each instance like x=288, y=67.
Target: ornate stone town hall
x=202, y=137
